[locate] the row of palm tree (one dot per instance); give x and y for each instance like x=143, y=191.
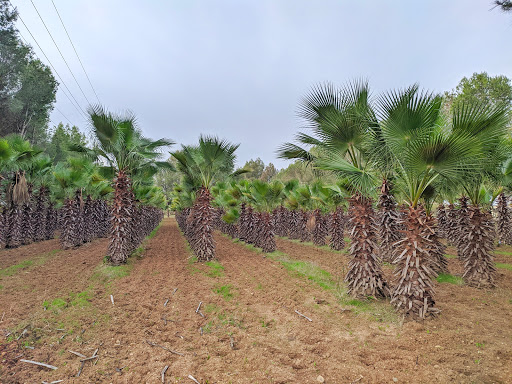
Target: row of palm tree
x=405, y=139
x=106, y=190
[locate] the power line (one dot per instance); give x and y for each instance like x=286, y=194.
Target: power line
x=77, y=106
x=58, y=110
x=58, y=49
x=73, y=45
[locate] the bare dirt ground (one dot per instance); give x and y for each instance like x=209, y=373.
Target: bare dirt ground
x=246, y=329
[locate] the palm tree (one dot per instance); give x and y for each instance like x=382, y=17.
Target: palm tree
x=340, y=121
x=422, y=148
x=120, y=144
x=202, y=165
x=18, y=195
x=488, y=125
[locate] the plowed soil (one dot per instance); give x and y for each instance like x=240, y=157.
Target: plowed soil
x=246, y=329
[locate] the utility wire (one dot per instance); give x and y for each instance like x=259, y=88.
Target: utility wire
x=58, y=49
x=77, y=106
x=26, y=42
x=58, y=110
x=73, y=45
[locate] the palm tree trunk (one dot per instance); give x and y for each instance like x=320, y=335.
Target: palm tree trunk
x=319, y=232
x=268, y=241
x=50, y=221
x=242, y=223
x=414, y=291
x=364, y=277
x=479, y=269
x=337, y=241
x=122, y=213
x=202, y=242
x=88, y=220
x=304, y=228
x=442, y=221
x=14, y=235
x=294, y=224
x=39, y=219
x=461, y=227
x=389, y=224
x=27, y=228
x=451, y=224
x=70, y=235
x=503, y=221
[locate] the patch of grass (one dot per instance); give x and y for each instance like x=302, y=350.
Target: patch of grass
x=25, y=264
x=503, y=253
x=450, y=256
x=1, y=287
x=13, y=269
x=450, y=279
x=81, y=299
x=305, y=269
x=225, y=291
x=56, y=305
x=106, y=273
x=504, y=266
x=216, y=269
x=211, y=308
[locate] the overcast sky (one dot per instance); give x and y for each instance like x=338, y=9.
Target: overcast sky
x=238, y=68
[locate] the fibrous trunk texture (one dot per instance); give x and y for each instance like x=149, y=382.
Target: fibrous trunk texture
x=364, y=277
x=389, y=223
x=414, y=292
x=503, y=221
x=267, y=241
x=27, y=224
x=201, y=223
x=305, y=225
x=14, y=236
x=442, y=221
x=479, y=269
x=88, y=220
x=294, y=224
x=50, y=221
x=71, y=235
x=461, y=226
x=320, y=231
x=121, y=220
x=450, y=229
x=39, y=218
x=337, y=227
x=438, y=263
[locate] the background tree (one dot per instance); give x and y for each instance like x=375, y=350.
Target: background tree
x=27, y=86
x=480, y=88
x=62, y=139
x=255, y=169
x=268, y=173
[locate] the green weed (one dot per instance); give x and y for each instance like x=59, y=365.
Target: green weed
x=13, y=269
x=504, y=266
x=450, y=256
x=305, y=269
x=225, y=291
x=447, y=278
x=216, y=269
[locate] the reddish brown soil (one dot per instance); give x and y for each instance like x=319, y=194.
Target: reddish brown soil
x=252, y=336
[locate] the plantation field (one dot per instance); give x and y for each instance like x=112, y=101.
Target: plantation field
x=144, y=316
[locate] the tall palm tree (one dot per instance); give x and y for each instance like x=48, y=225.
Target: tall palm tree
x=121, y=145
x=340, y=121
x=202, y=165
x=422, y=148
